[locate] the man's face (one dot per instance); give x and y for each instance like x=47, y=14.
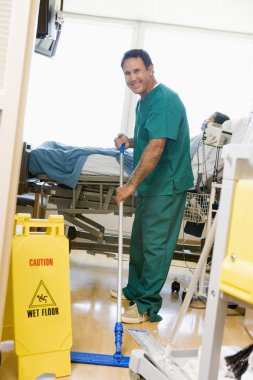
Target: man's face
x=138, y=78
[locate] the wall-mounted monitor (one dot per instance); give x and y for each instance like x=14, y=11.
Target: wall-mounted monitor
x=50, y=21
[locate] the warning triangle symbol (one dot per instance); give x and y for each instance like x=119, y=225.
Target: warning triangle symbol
x=42, y=297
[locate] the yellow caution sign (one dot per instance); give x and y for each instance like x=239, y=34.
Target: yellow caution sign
x=41, y=296
x=237, y=267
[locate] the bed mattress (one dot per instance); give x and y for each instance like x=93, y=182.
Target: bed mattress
x=97, y=164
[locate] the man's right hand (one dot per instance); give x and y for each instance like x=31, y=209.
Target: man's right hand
x=122, y=139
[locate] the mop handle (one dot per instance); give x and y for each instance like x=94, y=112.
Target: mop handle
x=119, y=291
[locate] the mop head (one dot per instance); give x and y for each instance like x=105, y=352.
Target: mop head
x=158, y=355
x=241, y=362
x=233, y=355
x=100, y=359
x=167, y=365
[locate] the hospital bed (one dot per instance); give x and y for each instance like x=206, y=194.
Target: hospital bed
x=80, y=200
x=93, y=192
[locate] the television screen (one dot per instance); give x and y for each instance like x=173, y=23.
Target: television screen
x=42, y=27
x=50, y=20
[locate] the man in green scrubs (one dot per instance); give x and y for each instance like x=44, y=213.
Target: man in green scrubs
x=162, y=175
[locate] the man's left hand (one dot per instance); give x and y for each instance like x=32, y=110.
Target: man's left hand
x=124, y=192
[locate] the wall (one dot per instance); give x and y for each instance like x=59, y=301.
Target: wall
x=17, y=20
x=226, y=15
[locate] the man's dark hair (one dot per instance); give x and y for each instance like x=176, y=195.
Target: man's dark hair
x=137, y=53
x=220, y=118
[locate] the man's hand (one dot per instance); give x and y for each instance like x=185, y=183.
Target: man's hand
x=124, y=192
x=123, y=139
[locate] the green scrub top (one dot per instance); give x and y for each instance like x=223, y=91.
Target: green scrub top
x=161, y=114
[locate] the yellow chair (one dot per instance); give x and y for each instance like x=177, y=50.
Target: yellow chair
x=237, y=269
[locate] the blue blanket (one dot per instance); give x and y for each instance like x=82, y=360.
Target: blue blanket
x=64, y=163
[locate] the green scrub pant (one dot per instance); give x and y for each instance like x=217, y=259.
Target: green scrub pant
x=154, y=237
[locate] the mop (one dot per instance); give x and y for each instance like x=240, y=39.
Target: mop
x=240, y=362
x=161, y=356
x=116, y=360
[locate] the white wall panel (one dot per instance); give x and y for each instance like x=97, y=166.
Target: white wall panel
x=17, y=32
x=5, y=12
x=226, y=15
